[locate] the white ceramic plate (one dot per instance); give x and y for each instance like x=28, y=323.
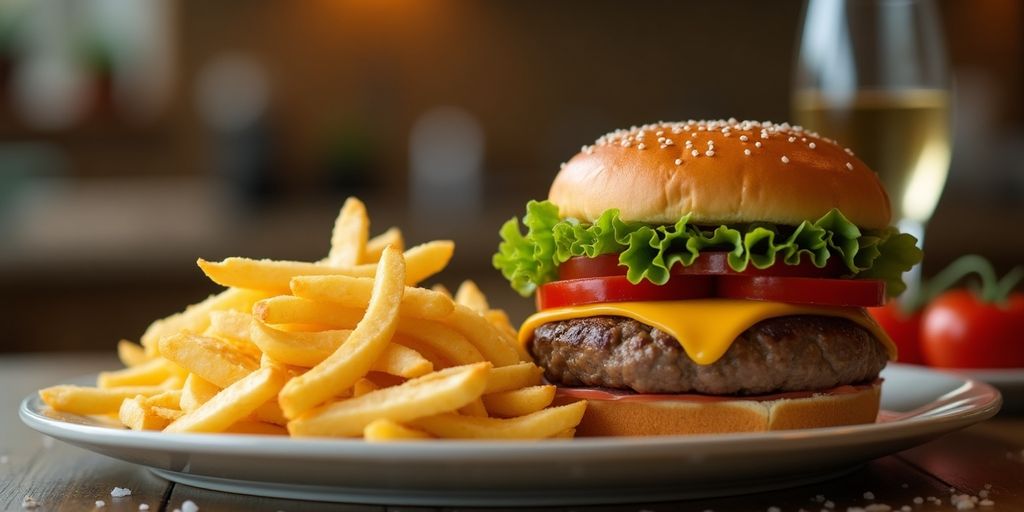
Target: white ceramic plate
x=919, y=404
x=1009, y=382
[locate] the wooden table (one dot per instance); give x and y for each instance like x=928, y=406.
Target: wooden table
x=987, y=457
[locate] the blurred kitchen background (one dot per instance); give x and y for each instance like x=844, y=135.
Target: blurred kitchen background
x=138, y=135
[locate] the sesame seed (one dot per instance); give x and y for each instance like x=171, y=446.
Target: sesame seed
x=792, y=139
x=695, y=153
x=757, y=144
x=849, y=166
x=641, y=146
x=744, y=138
x=746, y=152
x=679, y=161
x=625, y=143
x=710, y=152
x=848, y=151
x=785, y=159
x=669, y=142
x=812, y=145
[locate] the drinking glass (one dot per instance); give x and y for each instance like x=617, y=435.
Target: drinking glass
x=873, y=74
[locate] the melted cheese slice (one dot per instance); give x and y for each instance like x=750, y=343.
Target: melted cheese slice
x=705, y=327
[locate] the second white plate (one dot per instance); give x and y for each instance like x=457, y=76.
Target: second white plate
x=919, y=404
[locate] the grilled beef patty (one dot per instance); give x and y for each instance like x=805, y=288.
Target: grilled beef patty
x=793, y=353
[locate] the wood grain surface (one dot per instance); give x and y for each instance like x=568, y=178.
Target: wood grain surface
x=987, y=457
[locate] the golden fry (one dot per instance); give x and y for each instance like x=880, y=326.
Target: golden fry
x=356, y=356
x=86, y=400
x=363, y=386
x=519, y=402
x=196, y=392
x=136, y=415
x=215, y=360
x=508, y=378
x=348, y=239
x=539, y=425
x=469, y=295
x=384, y=430
x=131, y=354
x=446, y=390
x=475, y=408
x=495, y=346
x=233, y=403
x=306, y=349
x=260, y=428
x=152, y=372
x=354, y=292
x=375, y=246
x=196, y=318
x=274, y=276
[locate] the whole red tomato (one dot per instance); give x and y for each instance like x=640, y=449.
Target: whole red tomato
x=961, y=331
x=903, y=328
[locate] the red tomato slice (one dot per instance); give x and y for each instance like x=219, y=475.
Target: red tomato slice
x=594, y=290
x=804, y=290
x=961, y=331
x=708, y=263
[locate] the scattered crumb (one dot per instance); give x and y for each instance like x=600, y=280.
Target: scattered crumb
x=100, y=503
x=906, y=508
x=820, y=498
x=905, y=486
x=143, y=506
x=988, y=486
x=120, y=492
x=987, y=503
x=774, y=509
x=28, y=502
x=830, y=504
x=918, y=500
x=983, y=493
x=869, y=495
x=878, y=507
x=189, y=506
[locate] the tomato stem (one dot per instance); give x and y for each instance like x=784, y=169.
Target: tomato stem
x=993, y=290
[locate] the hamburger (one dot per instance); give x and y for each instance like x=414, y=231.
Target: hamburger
x=710, y=276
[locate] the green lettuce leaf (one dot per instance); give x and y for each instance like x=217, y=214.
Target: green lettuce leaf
x=531, y=259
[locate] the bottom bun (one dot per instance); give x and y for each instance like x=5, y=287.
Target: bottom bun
x=612, y=414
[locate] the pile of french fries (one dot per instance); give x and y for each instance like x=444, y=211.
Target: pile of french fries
x=348, y=346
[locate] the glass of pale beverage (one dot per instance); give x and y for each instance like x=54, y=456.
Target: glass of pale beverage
x=873, y=74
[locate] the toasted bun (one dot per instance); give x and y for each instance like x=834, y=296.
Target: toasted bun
x=651, y=175
x=677, y=417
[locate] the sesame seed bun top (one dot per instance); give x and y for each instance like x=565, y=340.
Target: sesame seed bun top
x=719, y=172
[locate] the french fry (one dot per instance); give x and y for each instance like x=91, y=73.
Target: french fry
x=442, y=339
x=565, y=434
x=274, y=276
x=495, y=347
x=233, y=327
x=196, y=318
x=294, y=371
x=402, y=362
x=539, y=425
x=260, y=428
x=174, y=382
x=348, y=239
x=136, y=415
x=375, y=246
x=363, y=386
x=519, y=402
x=305, y=349
x=131, y=354
x=86, y=400
x=475, y=408
x=356, y=356
x=196, y=392
x=469, y=295
x=516, y=376
x=167, y=413
x=170, y=399
x=354, y=292
x=499, y=319
x=384, y=430
x=440, y=288
x=233, y=403
x=270, y=412
x=445, y=390
x=215, y=360
x=152, y=372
